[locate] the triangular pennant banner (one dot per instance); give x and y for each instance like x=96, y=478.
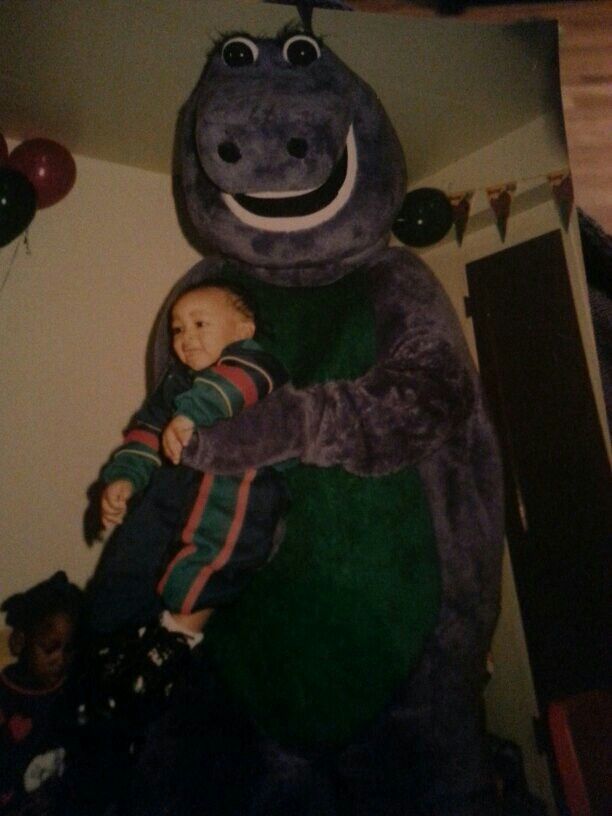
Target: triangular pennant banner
x=500, y=199
x=563, y=191
x=461, y=203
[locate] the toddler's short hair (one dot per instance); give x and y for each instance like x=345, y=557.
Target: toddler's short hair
x=241, y=298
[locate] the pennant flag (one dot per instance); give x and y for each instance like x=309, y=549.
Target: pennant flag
x=563, y=191
x=500, y=199
x=461, y=203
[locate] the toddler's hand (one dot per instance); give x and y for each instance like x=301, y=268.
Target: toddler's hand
x=114, y=502
x=175, y=437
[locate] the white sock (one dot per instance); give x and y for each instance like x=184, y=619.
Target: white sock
x=169, y=622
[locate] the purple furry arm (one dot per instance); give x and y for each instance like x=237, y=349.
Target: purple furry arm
x=420, y=389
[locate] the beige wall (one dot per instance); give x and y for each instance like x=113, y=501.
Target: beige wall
x=74, y=320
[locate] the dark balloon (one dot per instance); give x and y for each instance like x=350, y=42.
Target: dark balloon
x=425, y=217
x=17, y=204
x=3, y=150
x=48, y=166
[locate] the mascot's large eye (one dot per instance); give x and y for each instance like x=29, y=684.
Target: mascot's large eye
x=239, y=51
x=300, y=50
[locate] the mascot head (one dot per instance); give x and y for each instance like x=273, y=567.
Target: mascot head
x=288, y=161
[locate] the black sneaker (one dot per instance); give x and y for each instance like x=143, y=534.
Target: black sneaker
x=130, y=675
x=163, y=656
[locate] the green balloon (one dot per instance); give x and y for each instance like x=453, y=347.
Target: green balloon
x=424, y=218
x=17, y=204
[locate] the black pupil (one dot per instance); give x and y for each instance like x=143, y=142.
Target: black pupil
x=301, y=52
x=237, y=54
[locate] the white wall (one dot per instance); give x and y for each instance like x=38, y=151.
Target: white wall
x=75, y=315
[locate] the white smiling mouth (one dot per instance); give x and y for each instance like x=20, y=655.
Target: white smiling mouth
x=299, y=209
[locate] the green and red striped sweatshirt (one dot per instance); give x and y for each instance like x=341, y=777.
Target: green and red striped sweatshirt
x=243, y=375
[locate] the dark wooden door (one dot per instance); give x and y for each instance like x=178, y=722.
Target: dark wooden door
x=558, y=488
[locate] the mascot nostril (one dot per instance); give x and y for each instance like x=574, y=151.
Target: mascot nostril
x=357, y=656
x=298, y=148
x=229, y=152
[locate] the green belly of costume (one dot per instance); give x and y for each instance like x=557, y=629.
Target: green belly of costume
x=326, y=633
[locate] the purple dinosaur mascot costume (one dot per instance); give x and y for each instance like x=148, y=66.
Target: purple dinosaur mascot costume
x=348, y=678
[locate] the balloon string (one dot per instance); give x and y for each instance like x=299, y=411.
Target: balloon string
x=11, y=264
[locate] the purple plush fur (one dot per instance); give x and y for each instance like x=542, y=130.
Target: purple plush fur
x=420, y=404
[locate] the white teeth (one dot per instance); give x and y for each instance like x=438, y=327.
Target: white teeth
x=287, y=194
x=300, y=222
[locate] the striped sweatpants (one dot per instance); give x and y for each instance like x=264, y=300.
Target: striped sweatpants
x=192, y=541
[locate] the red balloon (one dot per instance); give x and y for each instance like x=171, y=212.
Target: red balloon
x=48, y=166
x=3, y=150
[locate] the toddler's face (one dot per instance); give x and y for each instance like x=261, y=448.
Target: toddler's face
x=48, y=651
x=204, y=322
